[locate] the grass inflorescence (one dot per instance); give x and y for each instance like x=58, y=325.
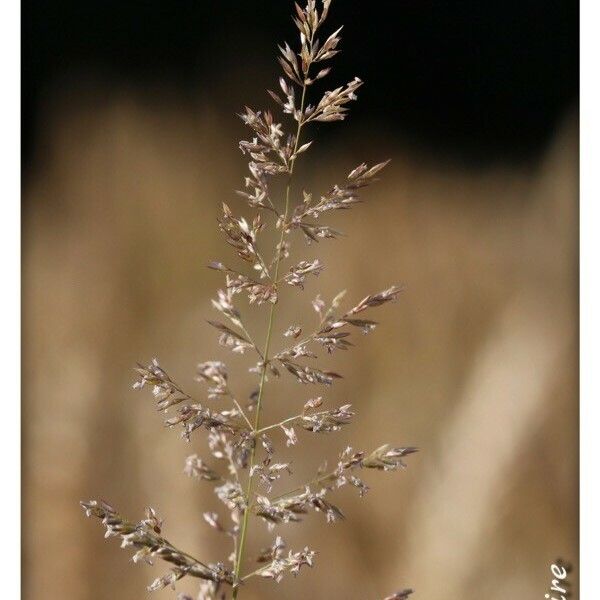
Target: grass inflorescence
x=243, y=469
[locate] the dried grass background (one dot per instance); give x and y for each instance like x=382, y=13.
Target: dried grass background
x=476, y=364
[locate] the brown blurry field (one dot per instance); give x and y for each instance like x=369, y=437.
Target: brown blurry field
x=476, y=365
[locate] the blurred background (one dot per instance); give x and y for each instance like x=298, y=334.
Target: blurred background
x=129, y=148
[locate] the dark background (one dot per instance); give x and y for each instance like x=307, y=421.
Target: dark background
x=478, y=81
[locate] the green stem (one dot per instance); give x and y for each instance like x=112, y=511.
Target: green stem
x=284, y=422
x=263, y=375
x=289, y=420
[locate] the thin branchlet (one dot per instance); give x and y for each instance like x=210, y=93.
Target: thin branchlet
x=240, y=463
x=145, y=539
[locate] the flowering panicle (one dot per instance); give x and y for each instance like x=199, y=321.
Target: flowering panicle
x=291, y=563
x=329, y=420
x=215, y=374
x=241, y=449
x=195, y=467
x=145, y=539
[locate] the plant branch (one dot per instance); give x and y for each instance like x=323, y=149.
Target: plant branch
x=249, y=489
x=237, y=405
x=289, y=420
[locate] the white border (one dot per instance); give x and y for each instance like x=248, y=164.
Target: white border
x=10, y=250
x=590, y=296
